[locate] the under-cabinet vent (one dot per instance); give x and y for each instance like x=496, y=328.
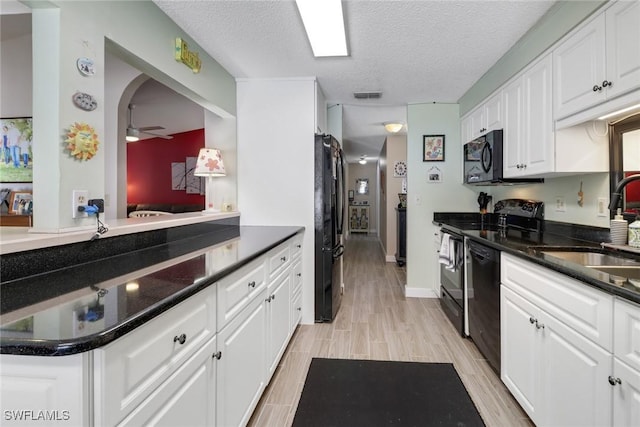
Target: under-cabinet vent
x=367, y=95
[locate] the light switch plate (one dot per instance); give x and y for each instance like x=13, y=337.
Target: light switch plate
x=560, y=205
x=603, y=209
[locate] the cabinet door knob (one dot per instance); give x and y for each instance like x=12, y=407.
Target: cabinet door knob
x=614, y=380
x=532, y=320
x=299, y=274
x=283, y=259
x=268, y=299
x=298, y=246
x=252, y=284
x=182, y=338
x=217, y=355
x=607, y=83
x=272, y=297
x=597, y=88
x=299, y=308
x=539, y=325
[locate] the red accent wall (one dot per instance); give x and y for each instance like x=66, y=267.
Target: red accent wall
x=632, y=190
x=149, y=168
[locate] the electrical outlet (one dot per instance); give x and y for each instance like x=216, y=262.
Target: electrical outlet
x=560, y=206
x=80, y=198
x=603, y=210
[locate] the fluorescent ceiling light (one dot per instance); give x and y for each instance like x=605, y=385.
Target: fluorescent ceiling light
x=615, y=113
x=324, y=24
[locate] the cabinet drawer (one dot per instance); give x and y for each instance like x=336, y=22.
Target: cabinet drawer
x=583, y=308
x=279, y=258
x=236, y=290
x=627, y=332
x=128, y=370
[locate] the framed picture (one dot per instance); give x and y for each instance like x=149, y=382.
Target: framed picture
x=16, y=155
x=433, y=148
x=434, y=175
x=19, y=201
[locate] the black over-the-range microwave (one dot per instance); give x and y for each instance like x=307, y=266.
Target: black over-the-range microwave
x=484, y=161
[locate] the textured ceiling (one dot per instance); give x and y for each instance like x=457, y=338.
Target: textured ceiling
x=412, y=51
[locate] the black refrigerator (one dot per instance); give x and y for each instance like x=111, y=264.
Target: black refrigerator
x=329, y=212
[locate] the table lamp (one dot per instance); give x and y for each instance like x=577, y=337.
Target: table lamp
x=209, y=164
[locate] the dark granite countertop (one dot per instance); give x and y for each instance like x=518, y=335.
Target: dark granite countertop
x=82, y=307
x=555, y=237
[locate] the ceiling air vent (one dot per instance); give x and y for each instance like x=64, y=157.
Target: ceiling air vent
x=367, y=95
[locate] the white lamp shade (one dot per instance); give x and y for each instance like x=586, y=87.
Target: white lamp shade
x=209, y=163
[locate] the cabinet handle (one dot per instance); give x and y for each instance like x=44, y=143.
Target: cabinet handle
x=182, y=338
x=283, y=259
x=299, y=308
x=273, y=297
x=539, y=325
x=299, y=246
x=532, y=320
x=614, y=380
x=607, y=83
x=252, y=284
x=268, y=299
x=597, y=88
x=217, y=355
x=299, y=274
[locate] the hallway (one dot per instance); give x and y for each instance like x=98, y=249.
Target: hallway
x=377, y=322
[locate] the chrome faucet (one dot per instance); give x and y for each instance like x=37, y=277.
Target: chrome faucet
x=617, y=193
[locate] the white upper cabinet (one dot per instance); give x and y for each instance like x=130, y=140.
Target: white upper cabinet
x=528, y=125
x=599, y=61
x=623, y=47
x=485, y=118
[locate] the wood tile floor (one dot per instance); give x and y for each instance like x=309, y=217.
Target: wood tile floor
x=377, y=322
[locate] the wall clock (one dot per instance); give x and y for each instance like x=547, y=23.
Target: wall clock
x=399, y=169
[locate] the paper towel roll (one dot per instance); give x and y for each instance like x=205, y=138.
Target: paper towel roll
x=618, y=231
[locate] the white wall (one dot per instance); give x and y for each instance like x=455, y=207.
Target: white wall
x=276, y=128
x=425, y=198
x=140, y=33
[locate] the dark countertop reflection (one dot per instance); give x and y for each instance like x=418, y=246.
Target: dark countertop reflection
x=87, y=306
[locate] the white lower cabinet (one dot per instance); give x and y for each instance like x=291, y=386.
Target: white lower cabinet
x=625, y=380
x=185, y=399
x=241, y=374
x=204, y=362
x=557, y=366
x=278, y=322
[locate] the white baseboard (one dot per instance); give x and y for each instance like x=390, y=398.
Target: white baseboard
x=419, y=292
x=390, y=258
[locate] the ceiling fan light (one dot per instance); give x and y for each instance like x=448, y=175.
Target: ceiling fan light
x=133, y=135
x=393, y=127
x=362, y=161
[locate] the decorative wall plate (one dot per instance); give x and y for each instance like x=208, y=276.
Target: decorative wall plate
x=86, y=66
x=82, y=141
x=399, y=169
x=84, y=101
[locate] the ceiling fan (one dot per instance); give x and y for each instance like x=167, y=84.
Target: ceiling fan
x=133, y=132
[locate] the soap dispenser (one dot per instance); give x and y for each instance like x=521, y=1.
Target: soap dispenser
x=618, y=229
x=634, y=233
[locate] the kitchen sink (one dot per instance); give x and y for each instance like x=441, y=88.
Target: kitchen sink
x=630, y=272
x=593, y=259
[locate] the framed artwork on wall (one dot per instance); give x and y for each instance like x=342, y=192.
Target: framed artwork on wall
x=433, y=148
x=19, y=202
x=16, y=155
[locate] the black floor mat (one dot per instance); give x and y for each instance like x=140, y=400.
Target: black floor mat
x=368, y=393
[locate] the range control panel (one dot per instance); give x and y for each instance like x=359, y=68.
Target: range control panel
x=520, y=207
